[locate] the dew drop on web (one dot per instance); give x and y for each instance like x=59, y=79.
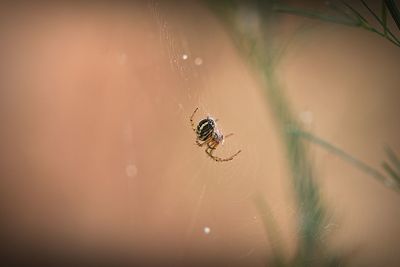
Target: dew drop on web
x=198, y=61
x=207, y=230
x=131, y=170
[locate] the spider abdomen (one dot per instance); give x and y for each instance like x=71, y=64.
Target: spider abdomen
x=205, y=128
x=207, y=132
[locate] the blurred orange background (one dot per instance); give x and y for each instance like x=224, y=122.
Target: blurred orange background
x=98, y=156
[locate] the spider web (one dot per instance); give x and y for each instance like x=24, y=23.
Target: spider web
x=213, y=202
x=214, y=185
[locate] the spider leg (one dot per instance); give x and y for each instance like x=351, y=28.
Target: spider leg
x=191, y=120
x=210, y=151
x=200, y=144
x=228, y=135
x=207, y=141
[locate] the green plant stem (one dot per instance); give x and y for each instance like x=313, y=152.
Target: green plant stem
x=391, y=172
x=361, y=21
x=372, y=29
x=393, y=158
x=384, y=18
x=394, y=11
x=258, y=46
x=314, y=15
x=349, y=158
x=395, y=40
x=272, y=230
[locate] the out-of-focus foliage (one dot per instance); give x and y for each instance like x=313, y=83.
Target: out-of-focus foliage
x=254, y=28
x=345, y=13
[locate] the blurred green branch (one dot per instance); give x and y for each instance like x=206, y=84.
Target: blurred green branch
x=394, y=11
x=349, y=16
x=316, y=15
x=393, y=172
x=272, y=230
x=252, y=26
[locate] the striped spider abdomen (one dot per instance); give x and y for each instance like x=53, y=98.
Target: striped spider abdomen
x=205, y=129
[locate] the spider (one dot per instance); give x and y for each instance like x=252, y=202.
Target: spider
x=207, y=133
